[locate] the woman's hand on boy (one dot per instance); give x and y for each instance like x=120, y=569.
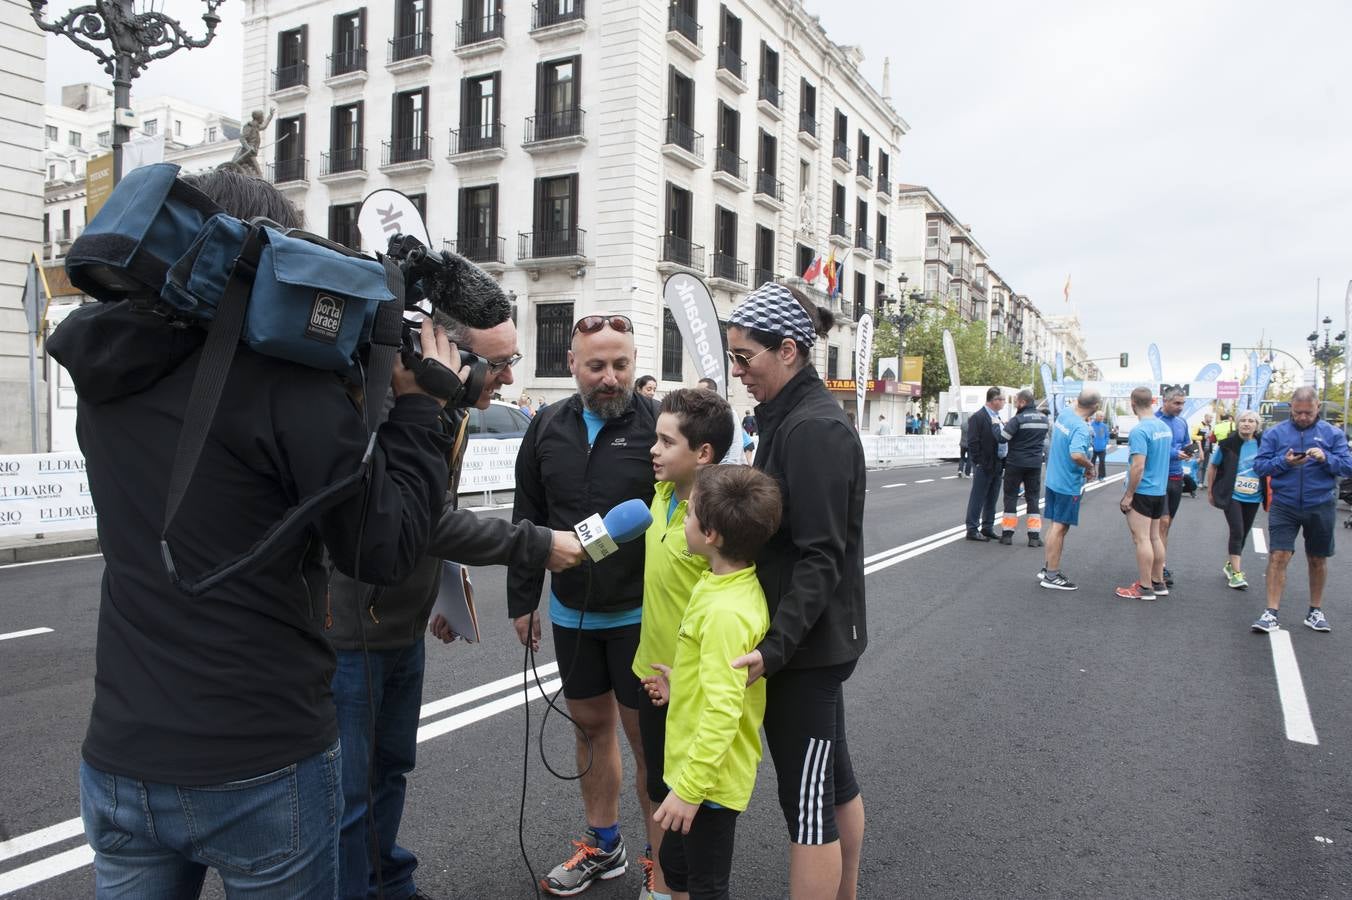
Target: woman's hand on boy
x=658, y=686
x=754, y=664
x=675, y=814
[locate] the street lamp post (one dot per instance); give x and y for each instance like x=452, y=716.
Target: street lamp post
x=1324, y=354
x=134, y=39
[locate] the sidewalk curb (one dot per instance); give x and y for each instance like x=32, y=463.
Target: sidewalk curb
x=42, y=549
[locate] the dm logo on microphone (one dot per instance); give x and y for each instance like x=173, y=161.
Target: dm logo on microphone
x=326, y=318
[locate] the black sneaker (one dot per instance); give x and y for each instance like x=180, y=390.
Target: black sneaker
x=1160, y=588
x=1168, y=577
x=1034, y=540
x=1059, y=582
x=1007, y=538
x=586, y=865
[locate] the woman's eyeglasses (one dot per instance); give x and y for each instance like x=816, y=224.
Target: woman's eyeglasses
x=742, y=360
x=593, y=324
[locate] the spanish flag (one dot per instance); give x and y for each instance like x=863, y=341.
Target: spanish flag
x=831, y=273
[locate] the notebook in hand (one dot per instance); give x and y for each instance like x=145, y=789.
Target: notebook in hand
x=455, y=601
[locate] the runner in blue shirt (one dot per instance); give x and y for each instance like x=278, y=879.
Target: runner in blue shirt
x=1102, y=433
x=1144, y=502
x=1068, y=463
x=1171, y=409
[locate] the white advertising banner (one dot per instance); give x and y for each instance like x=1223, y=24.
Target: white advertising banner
x=42, y=493
x=489, y=465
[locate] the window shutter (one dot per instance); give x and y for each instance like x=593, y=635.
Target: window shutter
x=541, y=92
x=468, y=114
x=361, y=29
x=304, y=45
x=572, y=201
x=493, y=216
x=359, y=135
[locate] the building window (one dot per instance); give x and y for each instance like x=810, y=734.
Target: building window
x=46, y=228
x=291, y=68
x=151, y=126
x=676, y=245
x=730, y=42
x=419, y=202
x=408, y=132
x=211, y=135
x=804, y=256
x=861, y=151
x=884, y=172
x=480, y=116
x=411, y=35
x=807, y=107
x=765, y=256
x=178, y=128
x=841, y=149
x=832, y=361
x=553, y=326
x=349, y=43
x=557, y=92
x=860, y=294
x=65, y=224
x=726, y=264
x=53, y=133
x=555, y=220
x=289, y=151
x=482, y=20
x=681, y=111
x=74, y=138
x=769, y=74
x=729, y=158
x=881, y=236
x=51, y=172
x=477, y=231
x=346, y=144
x=932, y=233
x=343, y=225
x=673, y=350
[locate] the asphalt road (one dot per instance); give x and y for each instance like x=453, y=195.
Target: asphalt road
x=1011, y=741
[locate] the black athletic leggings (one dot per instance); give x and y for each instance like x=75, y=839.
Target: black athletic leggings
x=1239, y=516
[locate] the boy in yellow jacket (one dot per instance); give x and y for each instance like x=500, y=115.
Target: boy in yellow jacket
x=713, y=726
x=694, y=430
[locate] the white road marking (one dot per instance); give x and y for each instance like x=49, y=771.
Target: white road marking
x=1260, y=542
x=52, y=834
x=478, y=693
x=898, y=484
x=1291, y=690
x=923, y=480
x=948, y=478
x=470, y=716
x=29, y=633
x=52, y=866
x=48, y=562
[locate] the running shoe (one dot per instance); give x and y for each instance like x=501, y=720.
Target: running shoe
x=1160, y=588
x=1168, y=577
x=1059, y=582
x=587, y=864
x=1229, y=570
x=1135, y=591
x=1042, y=573
x=1237, y=581
x=646, y=863
x=1316, y=620
x=1266, y=622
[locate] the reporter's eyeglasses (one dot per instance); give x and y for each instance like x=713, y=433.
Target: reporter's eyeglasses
x=495, y=368
x=593, y=324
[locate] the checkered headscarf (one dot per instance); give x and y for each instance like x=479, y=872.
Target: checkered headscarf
x=772, y=308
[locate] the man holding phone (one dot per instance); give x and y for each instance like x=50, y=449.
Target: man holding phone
x=1303, y=459
x=1171, y=408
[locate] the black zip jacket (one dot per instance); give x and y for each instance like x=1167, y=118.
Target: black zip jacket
x=1026, y=435
x=235, y=683
x=560, y=481
x=1223, y=475
x=396, y=616
x=812, y=569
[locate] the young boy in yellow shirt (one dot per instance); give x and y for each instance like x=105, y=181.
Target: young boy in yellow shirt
x=713, y=727
x=694, y=429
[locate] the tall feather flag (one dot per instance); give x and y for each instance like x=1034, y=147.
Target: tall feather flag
x=831, y=274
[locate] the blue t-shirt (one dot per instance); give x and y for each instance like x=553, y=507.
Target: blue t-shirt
x=568, y=617
x=1101, y=434
x=1248, y=489
x=1070, y=435
x=1179, y=427
x=1152, y=439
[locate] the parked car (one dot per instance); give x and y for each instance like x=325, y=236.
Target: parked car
x=501, y=420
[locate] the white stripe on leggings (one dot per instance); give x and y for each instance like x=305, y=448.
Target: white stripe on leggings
x=812, y=790
x=803, y=780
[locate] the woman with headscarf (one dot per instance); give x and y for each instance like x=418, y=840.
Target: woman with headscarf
x=812, y=572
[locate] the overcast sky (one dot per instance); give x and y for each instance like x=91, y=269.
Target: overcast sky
x=1187, y=162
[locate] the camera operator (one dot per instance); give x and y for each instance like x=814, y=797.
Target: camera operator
x=213, y=741
x=394, y=644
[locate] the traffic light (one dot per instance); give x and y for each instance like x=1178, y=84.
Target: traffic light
x=1225, y=352
x=1122, y=360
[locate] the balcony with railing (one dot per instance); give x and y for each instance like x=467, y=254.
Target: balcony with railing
x=678, y=253
x=291, y=79
x=840, y=232
x=727, y=272
x=884, y=187
x=807, y=129
x=555, y=17
x=882, y=254
x=769, y=190
x=863, y=242
x=685, y=33
x=287, y=171
x=731, y=68
x=769, y=99
x=410, y=51
x=404, y=154
x=761, y=276
x=478, y=143
x=555, y=130
x=345, y=66
x=486, y=250
x=555, y=248
x=474, y=37
x=683, y=143
x=863, y=173
x=729, y=169
x=342, y=164
x=840, y=155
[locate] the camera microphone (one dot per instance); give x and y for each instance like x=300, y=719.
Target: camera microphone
x=601, y=537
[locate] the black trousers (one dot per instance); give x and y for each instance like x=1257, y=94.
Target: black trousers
x=985, y=493
x=1101, y=460
x=1240, y=516
x=701, y=862
x=1030, y=478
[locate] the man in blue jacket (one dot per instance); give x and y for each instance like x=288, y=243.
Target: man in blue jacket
x=1171, y=414
x=1303, y=459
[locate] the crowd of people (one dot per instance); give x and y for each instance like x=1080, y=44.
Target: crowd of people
x=1293, y=470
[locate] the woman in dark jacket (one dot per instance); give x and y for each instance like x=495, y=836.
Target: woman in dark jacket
x=812, y=572
x=1238, y=490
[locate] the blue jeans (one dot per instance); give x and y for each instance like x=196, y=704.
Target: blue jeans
x=396, y=692
x=271, y=836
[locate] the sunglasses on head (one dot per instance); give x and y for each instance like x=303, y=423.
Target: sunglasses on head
x=593, y=324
